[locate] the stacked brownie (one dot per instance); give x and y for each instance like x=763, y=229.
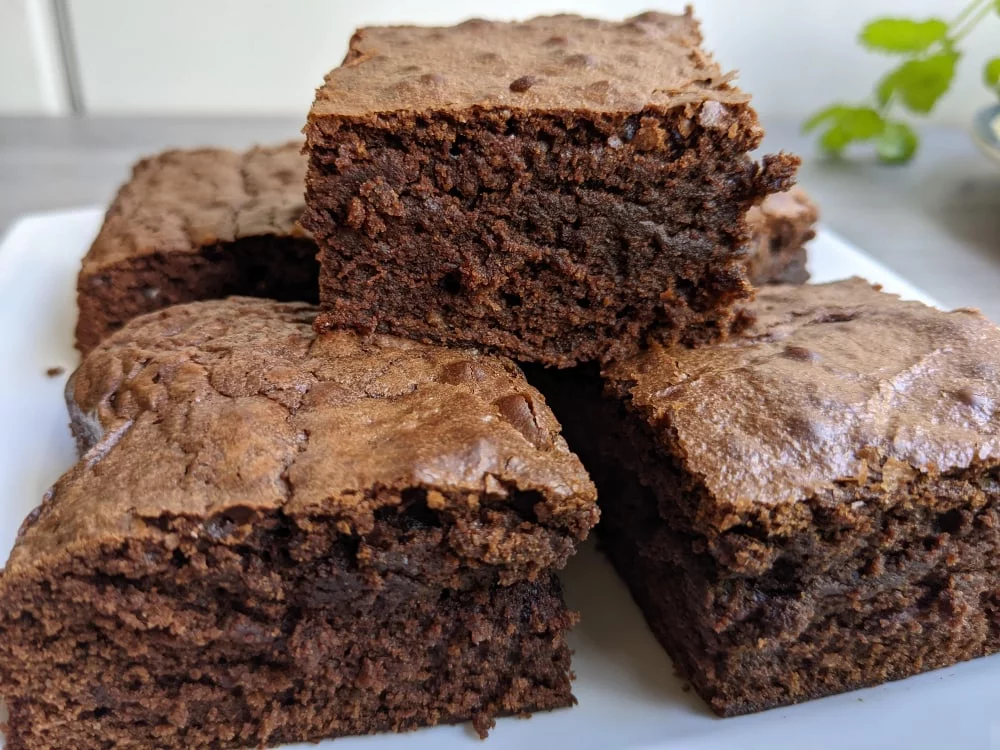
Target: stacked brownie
x=560, y=190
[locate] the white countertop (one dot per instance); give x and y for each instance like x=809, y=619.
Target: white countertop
x=935, y=222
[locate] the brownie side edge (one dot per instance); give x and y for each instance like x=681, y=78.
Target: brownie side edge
x=328, y=651
x=598, y=248
x=757, y=617
x=281, y=268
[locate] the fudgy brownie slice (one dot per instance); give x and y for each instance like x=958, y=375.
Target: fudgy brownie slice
x=779, y=230
x=809, y=508
x=556, y=190
x=198, y=224
x=273, y=536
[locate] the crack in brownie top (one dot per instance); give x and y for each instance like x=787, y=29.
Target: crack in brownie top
x=561, y=62
x=206, y=407
x=184, y=200
x=827, y=381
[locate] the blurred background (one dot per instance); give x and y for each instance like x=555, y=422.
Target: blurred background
x=88, y=86
x=263, y=57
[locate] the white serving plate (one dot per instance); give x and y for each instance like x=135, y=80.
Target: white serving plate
x=628, y=695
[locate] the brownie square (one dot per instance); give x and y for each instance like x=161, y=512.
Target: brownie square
x=809, y=508
x=557, y=190
x=198, y=224
x=779, y=230
x=273, y=536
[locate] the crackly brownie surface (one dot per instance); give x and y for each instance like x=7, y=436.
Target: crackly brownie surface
x=198, y=224
x=360, y=534
x=779, y=230
x=828, y=380
x=811, y=507
x=546, y=63
x=558, y=190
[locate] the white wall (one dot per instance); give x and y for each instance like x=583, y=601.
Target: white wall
x=31, y=75
x=264, y=56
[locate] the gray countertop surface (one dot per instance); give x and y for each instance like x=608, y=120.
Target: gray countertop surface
x=935, y=222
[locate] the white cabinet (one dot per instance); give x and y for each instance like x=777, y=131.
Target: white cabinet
x=31, y=71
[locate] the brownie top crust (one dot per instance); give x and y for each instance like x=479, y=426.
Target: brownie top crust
x=562, y=63
x=182, y=200
x=238, y=406
x=828, y=382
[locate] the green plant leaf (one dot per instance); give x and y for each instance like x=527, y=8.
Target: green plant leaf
x=885, y=88
x=897, y=143
x=834, y=140
x=991, y=74
x=919, y=83
x=834, y=112
x=846, y=125
x=902, y=35
x=862, y=123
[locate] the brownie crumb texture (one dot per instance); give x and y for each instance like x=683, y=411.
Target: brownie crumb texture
x=55, y=372
x=198, y=224
x=814, y=506
x=780, y=229
x=559, y=190
x=276, y=537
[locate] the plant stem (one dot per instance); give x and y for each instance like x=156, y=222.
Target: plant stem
x=975, y=20
x=967, y=11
